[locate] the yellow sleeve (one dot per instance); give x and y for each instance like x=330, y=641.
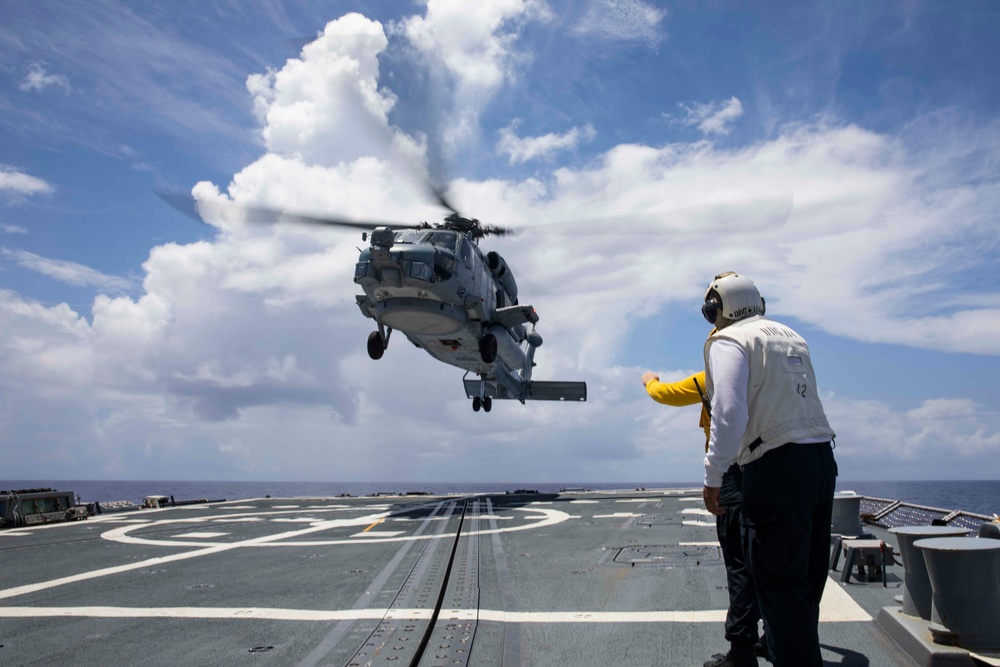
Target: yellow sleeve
x=677, y=394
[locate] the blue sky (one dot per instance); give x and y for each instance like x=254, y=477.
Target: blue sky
x=843, y=156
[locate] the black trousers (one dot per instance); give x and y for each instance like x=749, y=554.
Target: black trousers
x=744, y=612
x=787, y=510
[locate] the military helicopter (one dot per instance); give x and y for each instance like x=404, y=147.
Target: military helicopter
x=433, y=283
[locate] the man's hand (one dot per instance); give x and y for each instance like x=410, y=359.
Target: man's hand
x=649, y=376
x=711, y=496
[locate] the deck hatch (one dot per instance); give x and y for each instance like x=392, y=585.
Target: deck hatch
x=650, y=520
x=668, y=555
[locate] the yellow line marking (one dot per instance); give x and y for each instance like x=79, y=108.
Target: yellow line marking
x=373, y=525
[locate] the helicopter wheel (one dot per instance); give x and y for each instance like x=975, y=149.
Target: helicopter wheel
x=376, y=348
x=488, y=348
x=477, y=403
x=487, y=404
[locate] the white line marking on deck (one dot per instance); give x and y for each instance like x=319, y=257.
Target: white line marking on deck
x=689, y=500
x=584, y=502
x=616, y=515
x=636, y=500
x=201, y=535
x=836, y=607
x=698, y=544
x=551, y=517
x=695, y=522
x=693, y=510
x=378, y=533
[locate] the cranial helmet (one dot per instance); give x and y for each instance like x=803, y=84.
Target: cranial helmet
x=739, y=298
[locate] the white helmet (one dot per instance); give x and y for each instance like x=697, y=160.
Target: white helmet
x=739, y=298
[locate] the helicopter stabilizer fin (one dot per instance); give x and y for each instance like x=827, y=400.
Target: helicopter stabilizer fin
x=556, y=391
x=536, y=391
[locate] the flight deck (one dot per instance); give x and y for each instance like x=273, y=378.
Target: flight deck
x=576, y=578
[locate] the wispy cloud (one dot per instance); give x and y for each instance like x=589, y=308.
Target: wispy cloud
x=16, y=182
x=131, y=71
x=70, y=273
x=38, y=80
x=712, y=118
x=13, y=229
x=522, y=149
x=622, y=20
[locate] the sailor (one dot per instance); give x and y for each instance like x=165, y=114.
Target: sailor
x=767, y=417
x=743, y=613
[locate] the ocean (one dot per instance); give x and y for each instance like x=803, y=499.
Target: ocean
x=980, y=496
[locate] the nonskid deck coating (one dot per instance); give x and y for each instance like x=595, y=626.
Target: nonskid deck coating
x=529, y=580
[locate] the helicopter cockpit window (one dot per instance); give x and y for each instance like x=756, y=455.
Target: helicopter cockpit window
x=442, y=239
x=409, y=236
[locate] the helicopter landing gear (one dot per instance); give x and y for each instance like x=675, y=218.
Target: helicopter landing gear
x=376, y=348
x=378, y=341
x=477, y=403
x=485, y=403
x=488, y=348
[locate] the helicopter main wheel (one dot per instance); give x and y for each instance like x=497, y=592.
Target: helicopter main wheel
x=376, y=348
x=488, y=348
x=487, y=404
x=477, y=403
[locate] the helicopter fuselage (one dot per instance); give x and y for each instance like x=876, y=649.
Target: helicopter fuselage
x=438, y=288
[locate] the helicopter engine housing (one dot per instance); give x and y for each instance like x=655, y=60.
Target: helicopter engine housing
x=507, y=347
x=500, y=271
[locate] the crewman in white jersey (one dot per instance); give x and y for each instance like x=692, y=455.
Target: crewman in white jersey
x=768, y=418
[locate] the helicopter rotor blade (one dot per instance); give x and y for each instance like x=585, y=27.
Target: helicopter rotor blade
x=187, y=205
x=497, y=230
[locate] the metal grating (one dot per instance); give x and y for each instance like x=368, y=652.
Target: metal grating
x=890, y=513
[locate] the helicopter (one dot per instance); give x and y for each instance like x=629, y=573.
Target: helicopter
x=448, y=297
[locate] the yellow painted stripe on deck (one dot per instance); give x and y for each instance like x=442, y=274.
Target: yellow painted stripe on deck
x=373, y=525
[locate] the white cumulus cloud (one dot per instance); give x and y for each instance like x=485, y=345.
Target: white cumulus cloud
x=474, y=45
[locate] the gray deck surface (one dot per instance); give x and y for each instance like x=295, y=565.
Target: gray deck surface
x=573, y=579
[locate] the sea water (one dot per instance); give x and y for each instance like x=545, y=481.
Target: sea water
x=979, y=496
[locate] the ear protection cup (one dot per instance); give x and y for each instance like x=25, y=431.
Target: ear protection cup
x=710, y=309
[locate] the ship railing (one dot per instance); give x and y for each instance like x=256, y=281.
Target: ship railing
x=890, y=513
